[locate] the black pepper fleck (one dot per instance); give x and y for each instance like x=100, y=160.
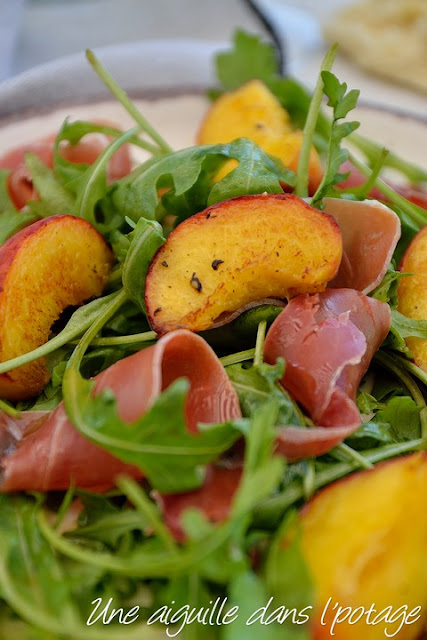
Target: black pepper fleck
x=156, y=311
x=208, y=215
x=195, y=283
x=216, y=263
x=164, y=263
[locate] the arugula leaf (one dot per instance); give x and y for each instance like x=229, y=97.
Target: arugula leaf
x=262, y=472
x=408, y=327
x=146, y=239
x=30, y=578
x=92, y=187
x=342, y=103
x=403, y=416
x=256, y=385
x=288, y=577
x=12, y=221
x=5, y=201
x=54, y=198
x=188, y=178
x=102, y=521
x=158, y=443
x=386, y=291
x=369, y=435
x=250, y=58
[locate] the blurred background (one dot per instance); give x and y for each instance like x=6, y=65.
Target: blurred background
x=39, y=32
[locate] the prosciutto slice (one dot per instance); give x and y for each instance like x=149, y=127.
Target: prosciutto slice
x=43, y=451
x=327, y=341
x=370, y=232
x=20, y=185
x=214, y=499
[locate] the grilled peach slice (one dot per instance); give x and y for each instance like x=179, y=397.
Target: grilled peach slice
x=412, y=292
x=52, y=264
x=252, y=111
x=236, y=252
x=364, y=539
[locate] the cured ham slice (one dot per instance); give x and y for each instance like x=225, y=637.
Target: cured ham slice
x=214, y=499
x=21, y=188
x=327, y=341
x=48, y=453
x=370, y=232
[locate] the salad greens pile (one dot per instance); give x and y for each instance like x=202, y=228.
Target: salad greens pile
x=119, y=548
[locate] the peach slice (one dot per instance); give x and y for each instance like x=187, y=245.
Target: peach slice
x=364, y=539
x=412, y=292
x=252, y=111
x=52, y=264
x=236, y=252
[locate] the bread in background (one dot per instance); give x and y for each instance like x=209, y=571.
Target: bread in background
x=386, y=37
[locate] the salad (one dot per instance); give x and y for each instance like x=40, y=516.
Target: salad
x=213, y=369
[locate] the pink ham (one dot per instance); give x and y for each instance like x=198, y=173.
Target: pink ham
x=327, y=341
x=214, y=499
x=356, y=179
x=370, y=232
x=48, y=453
x=21, y=188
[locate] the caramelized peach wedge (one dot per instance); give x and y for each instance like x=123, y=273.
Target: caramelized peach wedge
x=367, y=554
x=54, y=263
x=252, y=111
x=412, y=292
x=236, y=252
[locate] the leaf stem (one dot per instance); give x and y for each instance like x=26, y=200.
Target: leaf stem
x=235, y=358
x=371, y=150
x=301, y=187
x=271, y=511
x=416, y=214
x=117, y=299
x=259, y=346
x=354, y=455
x=125, y=101
x=138, y=498
x=134, y=338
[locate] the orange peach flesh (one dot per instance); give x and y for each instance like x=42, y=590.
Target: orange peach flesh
x=52, y=264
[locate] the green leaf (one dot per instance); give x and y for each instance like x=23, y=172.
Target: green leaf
x=102, y=521
x=250, y=58
x=158, y=443
x=342, y=103
x=54, y=198
x=188, y=177
x=256, y=385
x=408, y=327
x=262, y=472
x=12, y=221
x=146, y=239
x=92, y=187
x=31, y=580
x=386, y=291
x=403, y=416
x=288, y=577
x=5, y=201
x=249, y=593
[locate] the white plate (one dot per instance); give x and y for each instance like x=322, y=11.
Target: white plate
x=169, y=79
